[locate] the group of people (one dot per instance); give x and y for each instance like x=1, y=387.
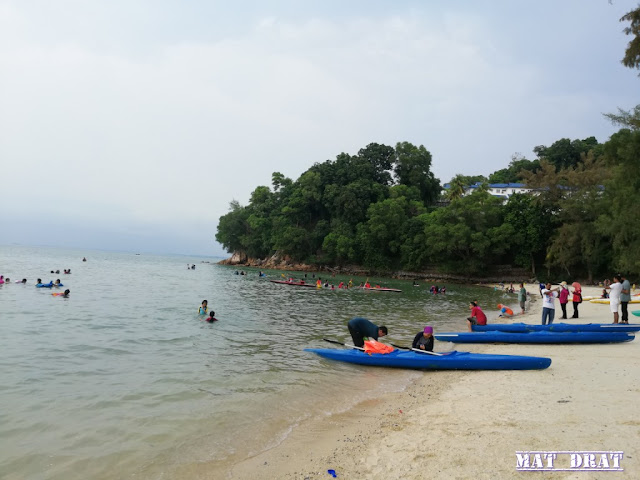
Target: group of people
x=203, y=309
x=7, y=281
x=562, y=294
x=435, y=289
x=619, y=297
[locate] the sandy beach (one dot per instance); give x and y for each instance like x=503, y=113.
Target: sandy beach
x=470, y=424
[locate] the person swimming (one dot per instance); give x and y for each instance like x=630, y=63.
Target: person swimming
x=203, y=308
x=211, y=318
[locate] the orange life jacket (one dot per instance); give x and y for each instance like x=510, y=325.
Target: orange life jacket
x=371, y=346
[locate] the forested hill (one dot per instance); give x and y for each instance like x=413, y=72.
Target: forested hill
x=383, y=209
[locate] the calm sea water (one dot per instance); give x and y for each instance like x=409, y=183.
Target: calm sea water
x=123, y=379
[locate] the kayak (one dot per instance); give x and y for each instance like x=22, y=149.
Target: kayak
x=45, y=285
x=557, y=327
x=421, y=361
x=536, y=337
x=296, y=284
x=636, y=313
x=381, y=289
x=608, y=300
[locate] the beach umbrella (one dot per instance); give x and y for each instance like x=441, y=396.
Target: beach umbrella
x=576, y=285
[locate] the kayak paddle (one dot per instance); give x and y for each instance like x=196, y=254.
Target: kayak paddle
x=417, y=350
x=343, y=344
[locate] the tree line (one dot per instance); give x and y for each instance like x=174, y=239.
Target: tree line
x=384, y=209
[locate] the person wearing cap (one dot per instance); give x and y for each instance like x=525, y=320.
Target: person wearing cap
x=359, y=328
x=424, y=340
x=563, y=298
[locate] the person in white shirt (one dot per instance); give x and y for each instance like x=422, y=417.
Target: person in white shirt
x=614, y=296
x=548, y=307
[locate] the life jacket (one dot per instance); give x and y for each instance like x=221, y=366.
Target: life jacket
x=372, y=346
x=505, y=309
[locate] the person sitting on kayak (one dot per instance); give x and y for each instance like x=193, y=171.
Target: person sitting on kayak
x=477, y=316
x=203, y=308
x=361, y=327
x=424, y=340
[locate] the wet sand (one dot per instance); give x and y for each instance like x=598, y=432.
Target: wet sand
x=470, y=424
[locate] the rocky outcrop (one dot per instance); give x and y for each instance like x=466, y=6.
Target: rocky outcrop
x=496, y=274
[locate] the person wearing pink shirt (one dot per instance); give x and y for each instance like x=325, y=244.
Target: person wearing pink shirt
x=563, y=298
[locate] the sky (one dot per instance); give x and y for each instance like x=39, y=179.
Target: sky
x=131, y=125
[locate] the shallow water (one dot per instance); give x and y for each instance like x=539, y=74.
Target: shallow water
x=123, y=379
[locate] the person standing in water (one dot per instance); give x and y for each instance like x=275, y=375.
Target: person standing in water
x=203, y=308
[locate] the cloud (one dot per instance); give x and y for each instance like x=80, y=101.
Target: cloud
x=168, y=131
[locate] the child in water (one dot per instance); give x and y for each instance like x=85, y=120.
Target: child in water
x=211, y=317
x=203, y=308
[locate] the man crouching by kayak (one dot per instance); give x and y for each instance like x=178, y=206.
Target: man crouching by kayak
x=361, y=327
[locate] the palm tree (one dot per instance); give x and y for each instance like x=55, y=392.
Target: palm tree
x=457, y=187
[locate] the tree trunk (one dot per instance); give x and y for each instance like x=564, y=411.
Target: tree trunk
x=533, y=265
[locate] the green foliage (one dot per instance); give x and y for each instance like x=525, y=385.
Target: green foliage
x=532, y=225
x=376, y=209
x=467, y=236
x=622, y=197
x=413, y=168
x=457, y=187
x=566, y=153
x=626, y=118
x=514, y=173
x=631, y=57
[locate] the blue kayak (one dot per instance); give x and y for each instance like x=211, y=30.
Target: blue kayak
x=44, y=285
x=557, y=327
x=536, y=337
x=423, y=361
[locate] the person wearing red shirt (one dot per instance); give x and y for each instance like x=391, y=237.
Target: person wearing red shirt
x=477, y=316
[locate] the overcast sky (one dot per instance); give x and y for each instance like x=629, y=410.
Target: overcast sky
x=131, y=124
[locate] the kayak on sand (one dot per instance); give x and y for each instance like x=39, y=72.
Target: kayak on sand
x=536, y=337
x=422, y=361
x=556, y=327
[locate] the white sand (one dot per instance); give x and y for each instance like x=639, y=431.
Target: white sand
x=460, y=425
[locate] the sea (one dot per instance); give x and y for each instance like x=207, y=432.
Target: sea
x=123, y=379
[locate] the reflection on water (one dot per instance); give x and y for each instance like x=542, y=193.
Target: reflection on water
x=124, y=378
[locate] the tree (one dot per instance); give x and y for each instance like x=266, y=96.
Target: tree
x=412, y=167
x=631, y=57
x=573, y=198
x=232, y=228
x=532, y=225
x=622, y=195
x=457, y=187
x=467, y=236
x=624, y=118
x=514, y=172
x=565, y=153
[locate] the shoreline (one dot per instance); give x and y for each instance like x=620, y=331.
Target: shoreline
x=463, y=424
